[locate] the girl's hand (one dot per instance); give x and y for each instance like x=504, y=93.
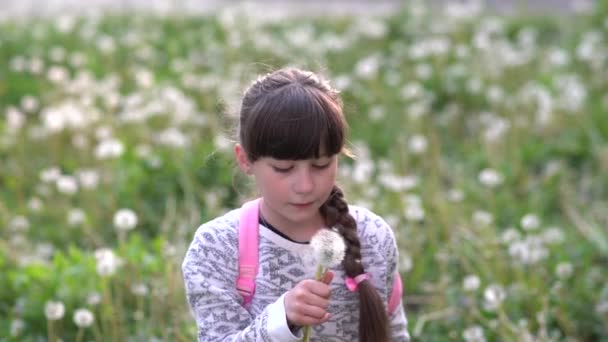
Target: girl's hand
x=306, y=303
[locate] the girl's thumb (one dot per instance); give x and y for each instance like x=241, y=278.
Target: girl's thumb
x=327, y=277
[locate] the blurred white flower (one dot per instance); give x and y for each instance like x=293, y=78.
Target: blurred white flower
x=19, y=223
x=14, y=119
x=509, y=235
x=564, y=270
x=376, y=113
x=139, y=289
x=173, y=137
x=109, y=148
x=65, y=23
x=89, y=178
x=125, y=219
x=106, y=44
x=35, y=204
x=17, y=326
x=414, y=212
x=412, y=90
x=222, y=142
x=36, y=65
x=76, y=216
x=482, y=218
x=471, y=283
x=54, y=310
x=530, y=222
x=474, y=333
x=528, y=251
x=558, y=57
x=455, y=195
x=553, y=235
x=67, y=184
x=417, y=144
x=423, y=71
x=57, y=74
x=602, y=307
x=328, y=247
x=367, y=68
x=405, y=263
x=490, y=178
x=107, y=262
x=493, y=297
x=29, y=103
x=93, y=299
x=83, y=318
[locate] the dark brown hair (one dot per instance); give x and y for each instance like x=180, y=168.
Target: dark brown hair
x=295, y=114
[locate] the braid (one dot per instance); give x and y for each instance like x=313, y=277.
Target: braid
x=373, y=319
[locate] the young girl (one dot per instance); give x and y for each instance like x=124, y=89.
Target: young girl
x=291, y=132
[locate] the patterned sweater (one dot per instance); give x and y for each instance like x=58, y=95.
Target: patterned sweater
x=210, y=273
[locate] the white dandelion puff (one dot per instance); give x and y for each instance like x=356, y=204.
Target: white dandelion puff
x=54, y=310
x=328, y=247
x=83, y=318
x=125, y=219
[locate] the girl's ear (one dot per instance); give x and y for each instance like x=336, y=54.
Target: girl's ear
x=241, y=159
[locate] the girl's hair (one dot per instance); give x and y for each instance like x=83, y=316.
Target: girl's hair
x=295, y=114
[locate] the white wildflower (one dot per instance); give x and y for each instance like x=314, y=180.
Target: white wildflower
x=139, y=289
x=455, y=195
x=19, y=224
x=88, y=178
x=530, y=222
x=54, y=310
x=76, y=216
x=490, y=178
x=125, y=219
x=418, y=144
x=67, y=184
x=564, y=270
x=107, y=262
x=405, y=263
x=93, y=298
x=328, y=247
x=414, y=212
x=109, y=148
x=17, y=326
x=474, y=333
x=493, y=296
x=471, y=283
x=553, y=235
x=83, y=318
x=482, y=218
x=35, y=204
x=510, y=235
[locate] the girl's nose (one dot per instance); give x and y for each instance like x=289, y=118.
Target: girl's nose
x=303, y=182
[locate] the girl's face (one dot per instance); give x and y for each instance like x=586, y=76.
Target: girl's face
x=293, y=190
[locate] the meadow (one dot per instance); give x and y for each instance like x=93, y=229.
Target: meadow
x=482, y=140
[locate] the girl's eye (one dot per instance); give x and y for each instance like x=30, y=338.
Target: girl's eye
x=282, y=169
x=320, y=167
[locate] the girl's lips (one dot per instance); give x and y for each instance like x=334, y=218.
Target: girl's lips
x=302, y=205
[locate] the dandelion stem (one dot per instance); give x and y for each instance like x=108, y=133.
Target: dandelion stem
x=320, y=272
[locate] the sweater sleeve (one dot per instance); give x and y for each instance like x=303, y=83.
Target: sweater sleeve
x=209, y=271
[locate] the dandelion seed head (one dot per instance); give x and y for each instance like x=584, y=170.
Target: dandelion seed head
x=474, y=333
x=125, y=219
x=83, y=318
x=530, y=221
x=471, y=283
x=328, y=247
x=490, y=178
x=54, y=310
x=564, y=270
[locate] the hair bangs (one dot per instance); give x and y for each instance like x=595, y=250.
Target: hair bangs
x=296, y=123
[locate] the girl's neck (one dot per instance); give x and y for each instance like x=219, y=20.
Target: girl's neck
x=296, y=231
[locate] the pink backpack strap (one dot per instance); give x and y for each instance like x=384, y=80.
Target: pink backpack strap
x=396, y=294
x=248, y=249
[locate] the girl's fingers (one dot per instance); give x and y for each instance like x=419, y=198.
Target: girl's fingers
x=327, y=277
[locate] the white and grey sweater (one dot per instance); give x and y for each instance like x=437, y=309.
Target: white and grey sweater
x=210, y=273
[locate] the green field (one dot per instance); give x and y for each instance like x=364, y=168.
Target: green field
x=482, y=140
